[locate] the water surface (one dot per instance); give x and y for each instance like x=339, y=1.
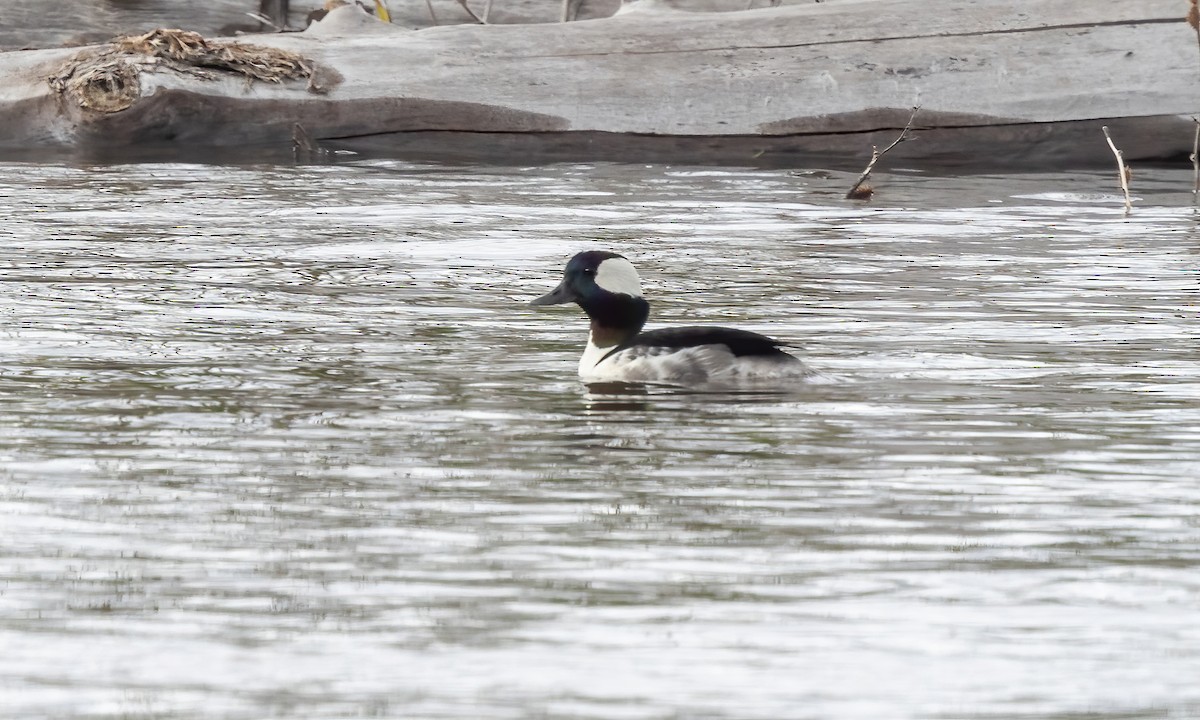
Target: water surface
x=289, y=442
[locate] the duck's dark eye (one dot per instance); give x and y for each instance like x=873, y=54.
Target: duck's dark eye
x=589, y=271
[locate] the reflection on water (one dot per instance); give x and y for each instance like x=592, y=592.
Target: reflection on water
x=287, y=442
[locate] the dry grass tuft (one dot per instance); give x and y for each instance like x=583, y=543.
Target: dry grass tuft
x=106, y=80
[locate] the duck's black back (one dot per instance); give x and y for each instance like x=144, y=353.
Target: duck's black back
x=741, y=343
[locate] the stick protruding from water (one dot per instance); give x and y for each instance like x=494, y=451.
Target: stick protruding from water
x=861, y=190
x=1123, y=170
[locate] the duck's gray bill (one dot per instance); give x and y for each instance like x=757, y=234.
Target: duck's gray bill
x=557, y=296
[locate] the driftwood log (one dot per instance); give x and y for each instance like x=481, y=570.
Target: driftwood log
x=56, y=23
x=1024, y=83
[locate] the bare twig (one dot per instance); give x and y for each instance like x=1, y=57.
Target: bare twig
x=301, y=141
x=263, y=19
x=487, y=12
x=1195, y=158
x=432, y=14
x=1193, y=19
x=861, y=190
x=471, y=12
x=304, y=148
x=1122, y=170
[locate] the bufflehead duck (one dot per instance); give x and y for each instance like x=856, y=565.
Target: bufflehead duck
x=608, y=288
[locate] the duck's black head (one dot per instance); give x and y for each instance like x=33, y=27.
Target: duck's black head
x=606, y=286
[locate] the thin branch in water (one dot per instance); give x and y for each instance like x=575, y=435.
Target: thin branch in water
x=1195, y=158
x=861, y=190
x=304, y=148
x=1122, y=169
x=1193, y=19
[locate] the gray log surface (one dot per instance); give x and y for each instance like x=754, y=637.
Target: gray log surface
x=1024, y=83
x=56, y=23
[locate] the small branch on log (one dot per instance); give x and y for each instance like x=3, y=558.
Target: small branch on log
x=471, y=12
x=861, y=190
x=264, y=20
x=1122, y=169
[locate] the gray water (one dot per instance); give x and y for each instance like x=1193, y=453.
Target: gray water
x=289, y=442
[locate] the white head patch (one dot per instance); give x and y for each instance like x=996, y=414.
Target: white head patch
x=617, y=275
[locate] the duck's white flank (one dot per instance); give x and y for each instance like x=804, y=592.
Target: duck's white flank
x=704, y=366
x=617, y=275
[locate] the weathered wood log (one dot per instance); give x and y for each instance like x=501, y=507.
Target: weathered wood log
x=1026, y=83
x=57, y=23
